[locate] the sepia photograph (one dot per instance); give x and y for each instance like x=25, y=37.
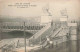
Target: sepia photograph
x=39, y=25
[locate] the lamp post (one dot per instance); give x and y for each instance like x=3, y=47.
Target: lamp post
x=24, y=37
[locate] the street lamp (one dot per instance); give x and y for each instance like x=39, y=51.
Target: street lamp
x=24, y=37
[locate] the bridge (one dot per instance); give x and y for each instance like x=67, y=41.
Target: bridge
x=59, y=35
x=18, y=26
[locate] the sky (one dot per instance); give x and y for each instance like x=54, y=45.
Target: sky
x=55, y=6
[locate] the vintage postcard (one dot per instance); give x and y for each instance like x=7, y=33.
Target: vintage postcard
x=39, y=25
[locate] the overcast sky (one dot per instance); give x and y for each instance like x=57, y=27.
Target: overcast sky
x=55, y=6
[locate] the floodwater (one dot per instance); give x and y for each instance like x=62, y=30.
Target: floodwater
x=14, y=34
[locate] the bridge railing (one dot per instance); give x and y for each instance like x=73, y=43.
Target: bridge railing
x=40, y=32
